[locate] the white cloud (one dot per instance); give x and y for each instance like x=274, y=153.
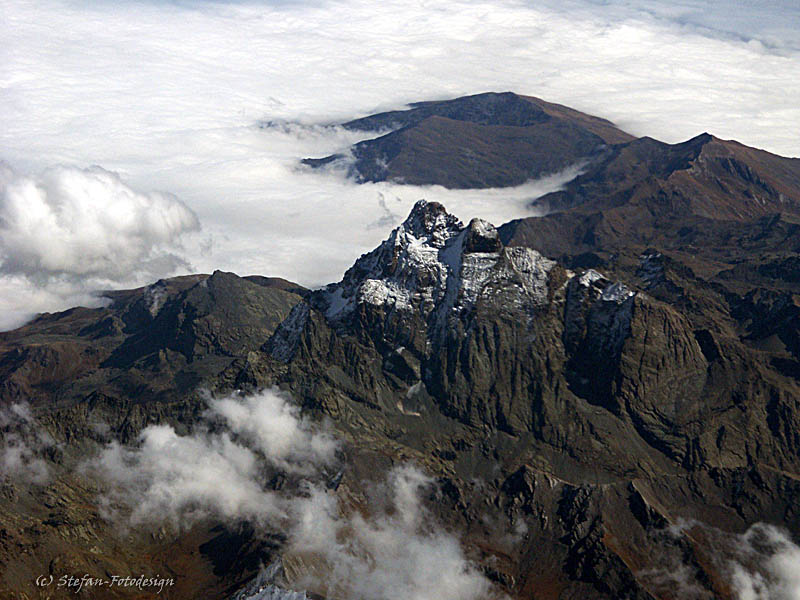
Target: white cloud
x=767, y=565
x=182, y=478
x=68, y=232
x=768, y=22
x=166, y=71
x=394, y=553
x=21, y=299
x=271, y=423
x=763, y=563
x=88, y=223
x=22, y=444
x=18, y=460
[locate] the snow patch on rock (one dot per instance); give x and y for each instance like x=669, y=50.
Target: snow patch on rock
x=534, y=270
x=617, y=292
x=284, y=342
x=154, y=297
x=589, y=278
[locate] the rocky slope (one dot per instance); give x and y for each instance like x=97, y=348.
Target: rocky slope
x=615, y=424
x=704, y=177
x=91, y=376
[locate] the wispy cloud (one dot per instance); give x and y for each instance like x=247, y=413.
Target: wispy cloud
x=218, y=470
x=23, y=442
x=394, y=553
x=389, y=550
x=767, y=565
x=763, y=563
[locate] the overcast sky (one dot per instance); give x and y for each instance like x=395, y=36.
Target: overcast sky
x=115, y=110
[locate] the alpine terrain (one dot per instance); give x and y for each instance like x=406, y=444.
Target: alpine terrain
x=601, y=402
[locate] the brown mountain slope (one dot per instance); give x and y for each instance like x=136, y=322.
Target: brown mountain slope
x=729, y=213
x=704, y=177
x=93, y=375
x=486, y=140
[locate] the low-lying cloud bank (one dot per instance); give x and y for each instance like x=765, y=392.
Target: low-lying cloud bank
x=227, y=64
x=393, y=550
x=87, y=223
x=68, y=232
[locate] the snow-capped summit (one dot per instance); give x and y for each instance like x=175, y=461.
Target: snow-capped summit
x=431, y=262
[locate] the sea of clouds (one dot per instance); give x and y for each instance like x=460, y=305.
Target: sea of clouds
x=159, y=107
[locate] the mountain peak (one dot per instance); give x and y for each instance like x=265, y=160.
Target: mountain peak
x=481, y=236
x=430, y=269
x=431, y=221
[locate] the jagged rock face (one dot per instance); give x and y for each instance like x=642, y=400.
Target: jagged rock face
x=422, y=299
x=430, y=270
x=597, y=322
x=501, y=338
x=408, y=273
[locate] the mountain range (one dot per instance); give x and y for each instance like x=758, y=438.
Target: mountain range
x=606, y=397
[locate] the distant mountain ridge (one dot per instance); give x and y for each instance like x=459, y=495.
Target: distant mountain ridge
x=505, y=139
x=704, y=176
x=480, y=141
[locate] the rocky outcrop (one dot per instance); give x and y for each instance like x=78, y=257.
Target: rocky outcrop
x=503, y=338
